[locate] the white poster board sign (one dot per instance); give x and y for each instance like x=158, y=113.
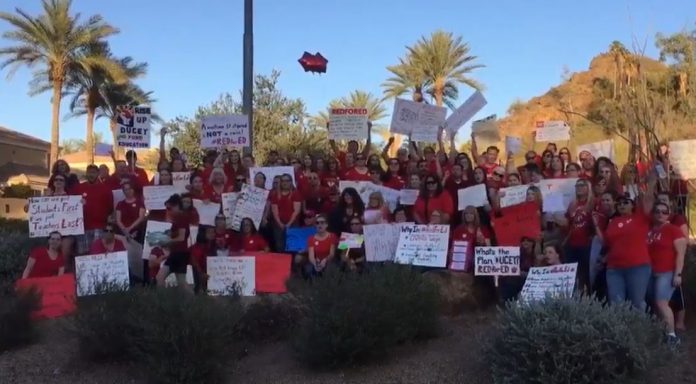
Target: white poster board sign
x=133, y=125
x=55, y=213
x=271, y=173
x=229, y=203
x=408, y=196
x=460, y=255
x=682, y=158
x=513, y=144
x=410, y=116
x=151, y=228
x=599, y=149
x=348, y=124
x=391, y=196
x=549, y=281
x=103, y=270
x=476, y=195
x=513, y=195
x=465, y=112
x=206, y=211
x=423, y=245
x=381, y=241
x=180, y=180
x=557, y=194
x=552, y=131
x=155, y=196
x=497, y=261
x=224, y=131
x=251, y=203
x=118, y=196
x=231, y=273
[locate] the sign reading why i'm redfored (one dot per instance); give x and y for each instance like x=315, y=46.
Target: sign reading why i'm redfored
x=497, y=261
x=348, y=124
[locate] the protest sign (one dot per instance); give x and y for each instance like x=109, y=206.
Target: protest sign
x=180, y=180
x=381, y=241
x=408, y=196
x=118, y=196
x=464, y=113
x=251, y=203
x=410, y=116
x=390, y=196
x=348, y=124
x=271, y=172
x=206, y=211
x=55, y=213
x=486, y=126
x=57, y=295
x=460, y=256
x=133, y=125
x=357, y=185
x=107, y=269
x=682, y=158
x=552, y=131
x=229, y=204
x=513, y=195
x=272, y=271
x=155, y=196
x=557, y=194
x=350, y=240
x=599, y=149
x=475, y=195
x=515, y=222
x=549, y=281
x=296, y=238
x=154, y=230
x=513, y=144
x=224, y=131
x=497, y=261
x=374, y=216
x=228, y=274
x=423, y=245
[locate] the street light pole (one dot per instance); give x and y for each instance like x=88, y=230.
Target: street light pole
x=247, y=90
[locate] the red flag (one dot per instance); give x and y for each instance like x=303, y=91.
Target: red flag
x=57, y=295
x=272, y=271
x=515, y=222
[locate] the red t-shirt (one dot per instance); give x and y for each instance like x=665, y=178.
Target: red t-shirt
x=252, y=243
x=179, y=223
x=442, y=202
x=141, y=175
x=579, y=225
x=661, y=247
x=98, y=247
x=228, y=235
x=285, y=203
x=489, y=167
x=314, y=198
x=199, y=253
x=353, y=175
x=211, y=194
x=322, y=248
x=98, y=203
x=329, y=181
x=461, y=233
x=395, y=182
x=130, y=211
x=678, y=220
x=154, y=269
x=115, y=181
x=625, y=237
x=43, y=265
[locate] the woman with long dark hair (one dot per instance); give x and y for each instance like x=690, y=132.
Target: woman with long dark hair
x=433, y=197
x=350, y=204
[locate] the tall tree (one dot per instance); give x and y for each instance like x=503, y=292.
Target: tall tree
x=57, y=42
x=89, y=88
x=406, y=78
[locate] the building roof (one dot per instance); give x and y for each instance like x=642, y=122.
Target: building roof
x=11, y=169
x=15, y=137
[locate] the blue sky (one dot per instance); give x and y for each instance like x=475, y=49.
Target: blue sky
x=194, y=49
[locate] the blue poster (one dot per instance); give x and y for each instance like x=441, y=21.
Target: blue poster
x=296, y=238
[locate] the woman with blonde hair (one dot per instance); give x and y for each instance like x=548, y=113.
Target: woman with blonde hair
x=472, y=233
x=217, y=185
x=376, y=211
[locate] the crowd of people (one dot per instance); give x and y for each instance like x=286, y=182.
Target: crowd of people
x=625, y=228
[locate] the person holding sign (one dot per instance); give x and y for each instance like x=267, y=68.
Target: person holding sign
x=432, y=197
x=250, y=240
x=178, y=243
x=130, y=215
x=360, y=172
x=321, y=248
x=108, y=242
x=472, y=233
x=353, y=259
x=46, y=261
x=199, y=253
x=353, y=146
x=349, y=205
x=578, y=220
x=376, y=211
x=286, y=205
x=97, y=203
x=218, y=183
x=67, y=242
x=393, y=177
x=197, y=188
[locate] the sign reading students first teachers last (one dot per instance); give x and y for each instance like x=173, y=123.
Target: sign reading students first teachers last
x=224, y=131
x=133, y=124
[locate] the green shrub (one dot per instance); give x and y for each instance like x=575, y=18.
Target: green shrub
x=14, y=250
x=271, y=318
x=573, y=340
x=16, y=326
x=350, y=318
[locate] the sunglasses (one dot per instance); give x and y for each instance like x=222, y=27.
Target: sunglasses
x=108, y=231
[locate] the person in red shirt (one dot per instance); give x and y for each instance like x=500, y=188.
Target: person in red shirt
x=217, y=185
x=321, y=248
x=353, y=148
x=472, y=233
x=250, y=240
x=189, y=210
x=349, y=205
x=286, y=205
x=331, y=176
x=331, y=202
x=314, y=194
x=46, y=261
x=199, y=253
x=433, y=197
x=628, y=259
x=587, y=162
x=393, y=177
x=122, y=175
x=453, y=184
x=557, y=168
x=158, y=254
x=108, y=243
x=580, y=231
x=140, y=174
x=667, y=246
x=130, y=215
x=224, y=234
x=178, y=242
x=359, y=172
x=197, y=187
x=488, y=161
x=97, y=204
x=573, y=171
x=546, y=158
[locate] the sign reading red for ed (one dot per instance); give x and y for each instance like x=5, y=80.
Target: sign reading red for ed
x=497, y=261
x=348, y=124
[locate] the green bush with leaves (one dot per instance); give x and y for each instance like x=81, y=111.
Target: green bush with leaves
x=14, y=250
x=573, y=340
x=16, y=326
x=270, y=318
x=351, y=318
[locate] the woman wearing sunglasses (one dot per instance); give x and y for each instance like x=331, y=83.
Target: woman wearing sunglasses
x=667, y=247
x=321, y=248
x=432, y=197
x=108, y=242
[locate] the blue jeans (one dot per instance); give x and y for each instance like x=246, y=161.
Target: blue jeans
x=628, y=284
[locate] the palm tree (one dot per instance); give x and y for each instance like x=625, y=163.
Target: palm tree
x=76, y=145
x=89, y=86
x=445, y=62
x=56, y=41
x=407, y=77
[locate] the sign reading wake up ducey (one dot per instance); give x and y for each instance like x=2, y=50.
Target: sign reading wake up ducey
x=133, y=124
x=224, y=131
x=55, y=213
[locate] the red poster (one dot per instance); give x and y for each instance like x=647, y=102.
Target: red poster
x=515, y=222
x=272, y=271
x=57, y=295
